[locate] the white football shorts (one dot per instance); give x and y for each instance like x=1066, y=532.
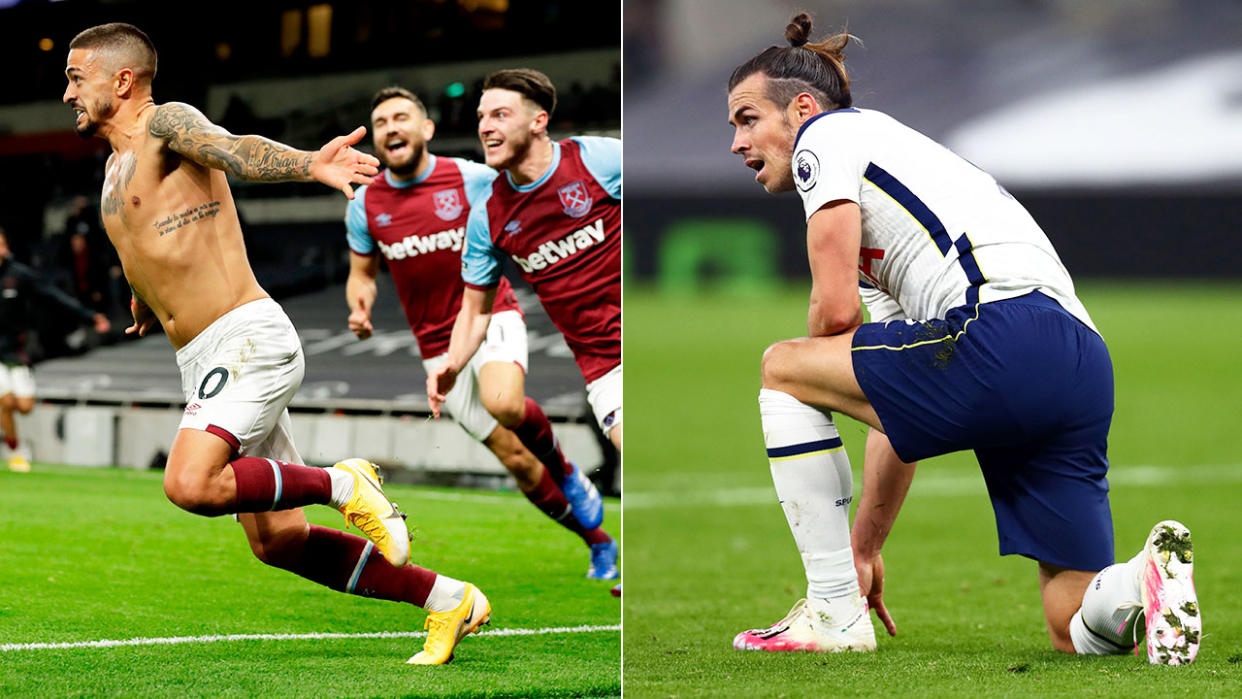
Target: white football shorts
x=16, y=379
x=505, y=342
x=239, y=375
x=604, y=395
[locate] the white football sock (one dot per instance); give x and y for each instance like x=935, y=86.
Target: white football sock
x=1111, y=606
x=342, y=486
x=446, y=593
x=811, y=472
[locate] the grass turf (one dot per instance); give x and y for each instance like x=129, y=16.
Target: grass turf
x=91, y=554
x=708, y=552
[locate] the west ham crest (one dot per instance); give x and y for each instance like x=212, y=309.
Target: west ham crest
x=575, y=199
x=448, y=204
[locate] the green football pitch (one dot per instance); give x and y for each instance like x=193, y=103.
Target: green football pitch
x=91, y=555
x=708, y=552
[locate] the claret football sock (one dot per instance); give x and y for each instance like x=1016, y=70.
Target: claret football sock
x=547, y=496
x=811, y=472
x=1111, y=606
x=535, y=433
x=268, y=484
x=349, y=563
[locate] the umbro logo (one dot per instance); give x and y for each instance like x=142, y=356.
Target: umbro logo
x=513, y=227
x=383, y=220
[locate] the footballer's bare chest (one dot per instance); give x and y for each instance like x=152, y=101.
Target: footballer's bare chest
x=118, y=182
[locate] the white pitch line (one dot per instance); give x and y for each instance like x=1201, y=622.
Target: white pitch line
x=927, y=484
x=177, y=640
x=466, y=497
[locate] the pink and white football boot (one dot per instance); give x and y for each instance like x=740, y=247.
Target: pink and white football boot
x=820, y=626
x=1170, y=606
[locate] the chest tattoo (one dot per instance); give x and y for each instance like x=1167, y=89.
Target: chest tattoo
x=116, y=183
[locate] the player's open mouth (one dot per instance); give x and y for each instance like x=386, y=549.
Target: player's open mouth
x=492, y=143
x=396, y=148
x=756, y=165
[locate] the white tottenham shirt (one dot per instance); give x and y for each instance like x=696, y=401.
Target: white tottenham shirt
x=937, y=232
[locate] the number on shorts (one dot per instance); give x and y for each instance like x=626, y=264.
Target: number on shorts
x=220, y=371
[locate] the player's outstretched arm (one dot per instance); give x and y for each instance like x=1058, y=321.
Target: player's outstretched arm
x=469, y=331
x=886, y=480
x=187, y=132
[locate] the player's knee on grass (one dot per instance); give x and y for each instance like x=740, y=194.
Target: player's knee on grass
x=1061, y=591
x=1060, y=637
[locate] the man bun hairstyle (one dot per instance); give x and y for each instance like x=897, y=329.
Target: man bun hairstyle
x=395, y=91
x=127, y=41
x=529, y=83
x=814, y=68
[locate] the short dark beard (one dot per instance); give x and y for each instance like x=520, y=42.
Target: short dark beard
x=415, y=158
x=88, y=129
x=91, y=126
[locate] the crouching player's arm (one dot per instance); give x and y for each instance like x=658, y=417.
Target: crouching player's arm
x=469, y=331
x=886, y=479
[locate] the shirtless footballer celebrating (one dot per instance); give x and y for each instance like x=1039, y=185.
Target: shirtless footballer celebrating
x=167, y=208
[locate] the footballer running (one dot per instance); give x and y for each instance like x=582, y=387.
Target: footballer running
x=167, y=207
x=414, y=215
x=555, y=212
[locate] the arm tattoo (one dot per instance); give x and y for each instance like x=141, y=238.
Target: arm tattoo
x=188, y=132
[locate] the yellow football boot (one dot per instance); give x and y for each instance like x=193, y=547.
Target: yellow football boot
x=446, y=629
x=372, y=512
x=18, y=463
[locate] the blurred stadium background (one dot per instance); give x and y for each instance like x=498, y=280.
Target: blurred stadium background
x=1117, y=124
x=300, y=73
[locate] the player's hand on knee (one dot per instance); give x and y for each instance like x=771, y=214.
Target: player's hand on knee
x=360, y=320
x=871, y=584
x=340, y=166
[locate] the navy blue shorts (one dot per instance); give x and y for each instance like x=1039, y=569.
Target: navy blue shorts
x=1030, y=389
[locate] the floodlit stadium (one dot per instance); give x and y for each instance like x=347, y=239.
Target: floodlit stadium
x=110, y=588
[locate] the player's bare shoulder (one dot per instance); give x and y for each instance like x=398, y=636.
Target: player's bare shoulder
x=178, y=129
